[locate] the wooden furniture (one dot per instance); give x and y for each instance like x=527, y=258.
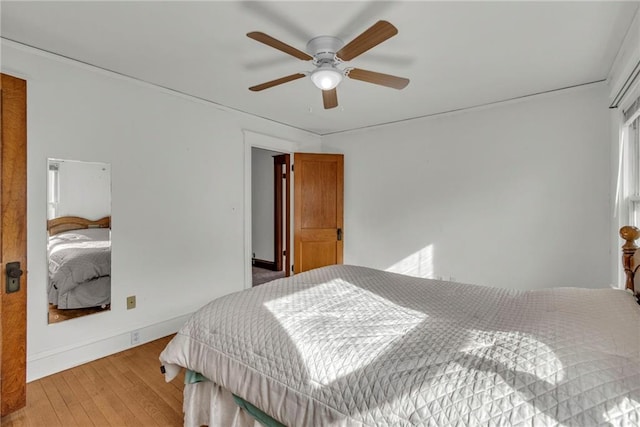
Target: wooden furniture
x=67, y=223
x=630, y=261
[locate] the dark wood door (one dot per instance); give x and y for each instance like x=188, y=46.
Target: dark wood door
x=13, y=245
x=318, y=210
x=282, y=208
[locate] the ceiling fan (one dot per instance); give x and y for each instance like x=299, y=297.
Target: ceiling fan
x=327, y=53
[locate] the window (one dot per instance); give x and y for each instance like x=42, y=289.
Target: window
x=53, y=190
x=628, y=188
x=633, y=144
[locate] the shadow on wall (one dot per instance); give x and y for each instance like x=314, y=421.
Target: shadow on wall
x=418, y=264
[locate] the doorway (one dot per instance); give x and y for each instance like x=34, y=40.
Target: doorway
x=311, y=244
x=270, y=215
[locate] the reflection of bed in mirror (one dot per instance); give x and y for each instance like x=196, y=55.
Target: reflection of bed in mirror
x=79, y=253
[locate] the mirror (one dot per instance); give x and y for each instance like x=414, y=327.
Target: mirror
x=78, y=238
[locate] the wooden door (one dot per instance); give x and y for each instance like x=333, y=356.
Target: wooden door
x=13, y=245
x=318, y=210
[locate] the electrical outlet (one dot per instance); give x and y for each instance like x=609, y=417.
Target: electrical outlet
x=135, y=337
x=131, y=302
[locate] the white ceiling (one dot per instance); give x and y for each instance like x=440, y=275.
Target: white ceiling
x=456, y=54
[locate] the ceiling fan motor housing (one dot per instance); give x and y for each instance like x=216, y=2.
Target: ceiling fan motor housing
x=324, y=48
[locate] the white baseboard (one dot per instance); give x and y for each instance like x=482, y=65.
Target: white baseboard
x=46, y=363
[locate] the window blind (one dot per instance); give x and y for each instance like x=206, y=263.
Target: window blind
x=627, y=86
x=631, y=111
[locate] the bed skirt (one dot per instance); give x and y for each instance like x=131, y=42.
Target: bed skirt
x=206, y=403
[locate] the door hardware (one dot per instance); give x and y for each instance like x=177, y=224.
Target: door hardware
x=13, y=277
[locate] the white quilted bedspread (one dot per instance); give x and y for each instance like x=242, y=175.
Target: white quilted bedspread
x=346, y=345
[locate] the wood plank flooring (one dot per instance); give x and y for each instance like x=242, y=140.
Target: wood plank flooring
x=125, y=389
x=58, y=315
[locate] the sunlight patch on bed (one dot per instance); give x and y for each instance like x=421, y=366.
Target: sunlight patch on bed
x=70, y=240
x=532, y=360
x=339, y=322
x=84, y=245
x=418, y=264
x=622, y=412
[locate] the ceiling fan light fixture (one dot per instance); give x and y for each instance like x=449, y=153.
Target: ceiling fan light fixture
x=326, y=78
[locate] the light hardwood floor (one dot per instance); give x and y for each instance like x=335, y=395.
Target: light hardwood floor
x=125, y=389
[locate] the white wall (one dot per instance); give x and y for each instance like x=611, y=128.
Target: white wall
x=626, y=59
x=178, y=199
x=262, y=203
x=515, y=195
x=84, y=189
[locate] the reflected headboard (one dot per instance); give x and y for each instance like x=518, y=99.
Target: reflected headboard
x=67, y=223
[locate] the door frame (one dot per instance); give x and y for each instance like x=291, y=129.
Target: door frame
x=254, y=139
x=282, y=213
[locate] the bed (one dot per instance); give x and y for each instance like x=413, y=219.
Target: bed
x=79, y=255
x=353, y=346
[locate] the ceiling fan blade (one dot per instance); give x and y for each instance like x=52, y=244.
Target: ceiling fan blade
x=277, y=44
x=371, y=37
x=276, y=82
x=330, y=98
x=378, y=78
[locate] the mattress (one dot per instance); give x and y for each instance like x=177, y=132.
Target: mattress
x=93, y=293
x=353, y=346
x=80, y=268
